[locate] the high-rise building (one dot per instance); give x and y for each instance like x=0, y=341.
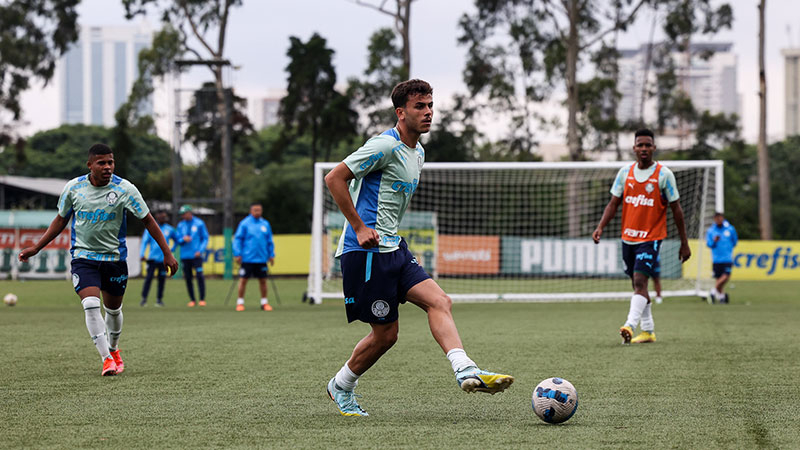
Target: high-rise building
x=709, y=82
x=792, y=90
x=97, y=72
x=264, y=112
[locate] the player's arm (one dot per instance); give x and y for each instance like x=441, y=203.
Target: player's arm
x=238, y=242
x=710, y=241
x=337, y=180
x=155, y=233
x=203, y=240
x=270, y=246
x=677, y=213
x=55, y=228
x=608, y=214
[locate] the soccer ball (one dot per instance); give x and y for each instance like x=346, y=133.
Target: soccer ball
x=10, y=299
x=555, y=400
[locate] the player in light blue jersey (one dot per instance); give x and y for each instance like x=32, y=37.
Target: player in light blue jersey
x=373, y=187
x=155, y=259
x=253, y=249
x=193, y=239
x=95, y=205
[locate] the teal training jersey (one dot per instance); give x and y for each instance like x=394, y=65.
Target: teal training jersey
x=386, y=173
x=97, y=214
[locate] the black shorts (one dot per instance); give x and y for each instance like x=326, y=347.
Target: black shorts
x=376, y=283
x=109, y=276
x=721, y=269
x=643, y=258
x=253, y=270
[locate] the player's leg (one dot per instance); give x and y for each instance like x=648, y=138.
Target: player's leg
x=262, y=287
x=657, y=288
x=201, y=280
x=86, y=280
x=188, y=267
x=721, y=282
x=366, y=353
x=148, y=279
x=244, y=275
x=429, y=296
x=113, y=283
x=162, y=280
x=640, y=263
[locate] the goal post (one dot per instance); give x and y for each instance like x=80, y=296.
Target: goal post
x=522, y=231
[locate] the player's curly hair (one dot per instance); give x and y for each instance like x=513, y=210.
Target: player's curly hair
x=99, y=149
x=406, y=89
x=644, y=132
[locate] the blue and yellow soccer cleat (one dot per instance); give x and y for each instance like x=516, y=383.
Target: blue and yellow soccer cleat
x=644, y=337
x=473, y=379
x=626, y=333
x=345, y=400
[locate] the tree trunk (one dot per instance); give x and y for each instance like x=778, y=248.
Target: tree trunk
x=764, y=200
x=226, y=177
x=404, y=27
x=573, y=42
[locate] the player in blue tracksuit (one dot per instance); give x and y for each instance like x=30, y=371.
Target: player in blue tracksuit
x=155, y=260
x=721, y=238
x=193, y=239
x=253, y=248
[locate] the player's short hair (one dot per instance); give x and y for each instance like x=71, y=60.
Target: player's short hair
x=718, y=214
x=644, y=132
x=256, y=204
x=99, y=149
x=406, y=89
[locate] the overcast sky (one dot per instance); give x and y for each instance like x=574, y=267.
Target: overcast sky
x=259, y=34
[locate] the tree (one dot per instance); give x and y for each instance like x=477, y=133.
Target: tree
x=520, y=49
x=312, y=105
x=201, y=17
x=33, y=34
x=764, y=199
x=402, y=25
x=384, y=70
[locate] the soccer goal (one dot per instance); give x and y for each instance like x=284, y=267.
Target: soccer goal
x=522, y=231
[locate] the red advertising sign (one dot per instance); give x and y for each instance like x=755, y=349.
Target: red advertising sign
x=22, y=238
x=468, y=254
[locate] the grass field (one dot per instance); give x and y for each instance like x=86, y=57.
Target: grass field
x=722, y=376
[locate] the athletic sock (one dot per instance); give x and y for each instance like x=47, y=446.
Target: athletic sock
x=95, y=325
x=714, y=292
x=346, y=379
x=264, y=301
x=720, y=297
x=647, y=319
x=459, y=360
x=638, y=303
x=240, y=301
x=113, y=326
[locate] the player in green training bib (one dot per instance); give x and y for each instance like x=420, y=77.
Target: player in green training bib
x=94, y=205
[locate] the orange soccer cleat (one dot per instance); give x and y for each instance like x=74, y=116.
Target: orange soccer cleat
x=109, y=367
x=266, y=307
x=118, y=361
x=239, y=307
x=202, y=303
x=191, y=304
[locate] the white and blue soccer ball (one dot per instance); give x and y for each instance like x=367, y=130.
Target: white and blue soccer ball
x=10, y=299
x=555, y=400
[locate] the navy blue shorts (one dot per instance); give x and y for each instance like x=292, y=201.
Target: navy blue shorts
x=253, y=270
x=376, y=283
x=109, y=276
x=721, y=269
x=642, y=258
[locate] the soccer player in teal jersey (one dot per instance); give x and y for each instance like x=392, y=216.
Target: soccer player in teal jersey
x=95, y=205
x=373, y=187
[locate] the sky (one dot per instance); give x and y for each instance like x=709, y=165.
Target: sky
x=259, y=34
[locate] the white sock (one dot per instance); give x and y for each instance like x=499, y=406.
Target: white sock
x=264, y=301
x=240, y=301
x=647, y=319
x=638, y=303
x=720, y=296
x=346, y=379
x=459, y=359
x=659, y=300
x=714, y=291
x=113, y=326
x=95, y=325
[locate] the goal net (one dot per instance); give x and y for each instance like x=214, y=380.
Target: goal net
x=522, y=231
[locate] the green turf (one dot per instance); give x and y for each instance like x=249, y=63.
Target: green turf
x=719, y=376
